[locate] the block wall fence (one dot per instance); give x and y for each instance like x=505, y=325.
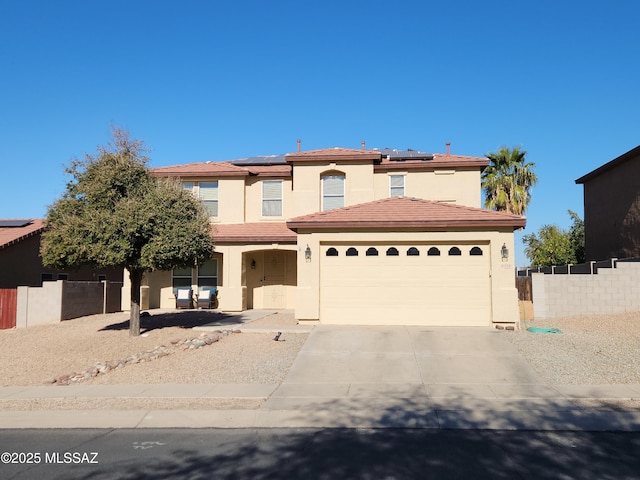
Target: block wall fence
x=611, y=290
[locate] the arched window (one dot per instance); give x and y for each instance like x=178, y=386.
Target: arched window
x=332, y=252
x=455, y=251
x=372, y=252
x=433, y=252
x=475, y=251
x=332, y=190
x=413, y=252
x=352, y=252
x=392, y=252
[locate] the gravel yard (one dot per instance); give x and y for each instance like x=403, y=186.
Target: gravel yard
x=40, y=354
x=602, y=349
x=590, y=350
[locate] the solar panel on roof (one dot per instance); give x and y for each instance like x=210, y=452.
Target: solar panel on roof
x=394, y=154
x=14, y=223
x=261, y=160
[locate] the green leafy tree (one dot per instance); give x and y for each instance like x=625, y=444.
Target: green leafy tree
x=576, y=234
x=115, y=214
x=507, y=181
x=552, y=245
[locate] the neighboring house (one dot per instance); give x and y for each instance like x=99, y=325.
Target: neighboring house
x=352, y=237
x=21, y=264
x=612, y=208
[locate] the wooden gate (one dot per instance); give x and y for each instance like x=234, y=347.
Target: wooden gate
x=8, y=305
x=523, y=284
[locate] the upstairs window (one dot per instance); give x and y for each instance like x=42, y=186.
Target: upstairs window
x=396, y=185
x=208, y=194
x=272, y=198
x=332, y=192
x=188, y=186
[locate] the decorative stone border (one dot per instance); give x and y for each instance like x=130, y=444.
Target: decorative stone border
x=104, y=367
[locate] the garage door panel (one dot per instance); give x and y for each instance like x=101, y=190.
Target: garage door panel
x=405, y=290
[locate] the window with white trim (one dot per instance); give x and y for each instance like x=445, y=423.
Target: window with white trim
x=208, y=194
x=272, y=198
x=332, y=191
x=396, y=185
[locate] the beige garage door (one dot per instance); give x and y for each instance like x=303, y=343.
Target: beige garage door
x=436, y=285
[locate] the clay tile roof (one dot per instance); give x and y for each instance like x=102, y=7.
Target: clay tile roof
x=215, y=169
x=263, y=232
x=11, y=235
x=333, y=154
x=270, y=170
x=439, y=160
x=406, y=212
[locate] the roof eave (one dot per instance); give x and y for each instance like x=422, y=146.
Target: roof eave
x=609, y=165
x=23, y=237
x=187, y=173
x=293, y=158
x=326, y=225
x=429, y=164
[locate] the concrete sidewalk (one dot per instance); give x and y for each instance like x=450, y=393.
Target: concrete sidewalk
x=368, y=377
x=437, y=406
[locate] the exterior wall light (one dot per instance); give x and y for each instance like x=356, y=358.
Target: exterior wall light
x=253, y=264
x=307, y=254
x=504, y=252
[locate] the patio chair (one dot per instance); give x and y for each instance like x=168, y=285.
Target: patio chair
x=184, y=298
x=207, y=297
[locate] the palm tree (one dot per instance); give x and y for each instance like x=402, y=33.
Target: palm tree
x=508, y=180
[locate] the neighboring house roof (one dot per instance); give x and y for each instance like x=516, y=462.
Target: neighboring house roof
x=262, y=232
x=630, y=155
x=25, y=228
x=406, y=212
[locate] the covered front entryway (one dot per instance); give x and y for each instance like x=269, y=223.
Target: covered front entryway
x=436, y=284
x=270, y=278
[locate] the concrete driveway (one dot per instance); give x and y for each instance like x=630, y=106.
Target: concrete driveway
x=411, y=375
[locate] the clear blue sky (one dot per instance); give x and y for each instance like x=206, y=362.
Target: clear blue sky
x=216, y=80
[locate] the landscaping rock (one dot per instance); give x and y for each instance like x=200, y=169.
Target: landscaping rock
x=103, y=367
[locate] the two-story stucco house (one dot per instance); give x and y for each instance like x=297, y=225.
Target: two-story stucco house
x=348, y=236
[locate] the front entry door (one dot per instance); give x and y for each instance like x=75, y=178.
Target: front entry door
x=274, y=278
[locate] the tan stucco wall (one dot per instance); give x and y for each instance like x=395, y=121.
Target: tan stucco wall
x=504, y=301
x=456, y=186
x=234, y=274
x=307, y=194
x=231, y=200
x=253, y=208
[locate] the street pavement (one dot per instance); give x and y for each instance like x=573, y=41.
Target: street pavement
x=367, y=377
x=137, y=454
